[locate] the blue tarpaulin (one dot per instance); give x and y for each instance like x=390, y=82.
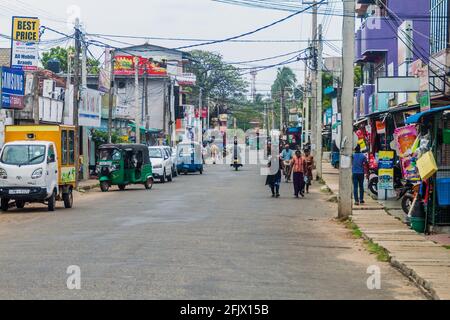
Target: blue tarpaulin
x=417, y=117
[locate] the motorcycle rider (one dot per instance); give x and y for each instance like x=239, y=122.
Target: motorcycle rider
x=286, y=156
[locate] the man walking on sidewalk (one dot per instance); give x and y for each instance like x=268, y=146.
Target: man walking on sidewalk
x=360, y=164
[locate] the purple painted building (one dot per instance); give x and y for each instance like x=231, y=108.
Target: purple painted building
x=393, y=34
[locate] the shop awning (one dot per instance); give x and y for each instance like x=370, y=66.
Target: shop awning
x=143, y=129
x=418, y=117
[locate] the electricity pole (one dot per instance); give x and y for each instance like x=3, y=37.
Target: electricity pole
x=347, y=102
x=111, y=96
x=319, y=106
x=306, y=138
x=84, y=133
x=76, y=94
x=314, y=77
x=137, y=105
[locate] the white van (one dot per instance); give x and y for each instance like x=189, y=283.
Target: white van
x=29, y=173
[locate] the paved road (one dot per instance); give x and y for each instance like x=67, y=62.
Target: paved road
x=216, y=236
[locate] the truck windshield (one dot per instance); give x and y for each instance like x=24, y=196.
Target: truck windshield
x=110, y=154
x=23, y=155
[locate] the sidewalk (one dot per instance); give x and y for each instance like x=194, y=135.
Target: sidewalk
x=87, y=185
x=417, y=257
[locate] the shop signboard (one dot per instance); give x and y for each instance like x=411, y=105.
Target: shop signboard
x=12, y=88
x=24, y=43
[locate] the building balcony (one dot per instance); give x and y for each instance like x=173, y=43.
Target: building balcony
x=377, y=37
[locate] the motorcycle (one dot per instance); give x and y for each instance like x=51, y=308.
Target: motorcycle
x=408, y=195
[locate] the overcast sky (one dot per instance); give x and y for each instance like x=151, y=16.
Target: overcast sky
x=204, y=19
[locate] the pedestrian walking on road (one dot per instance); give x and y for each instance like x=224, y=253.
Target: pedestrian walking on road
x=310, y=166
x=360, y=165
x=299, y=168
x=215, y=153
x=274, y=180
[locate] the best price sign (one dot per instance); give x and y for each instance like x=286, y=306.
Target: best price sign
x=25, y=40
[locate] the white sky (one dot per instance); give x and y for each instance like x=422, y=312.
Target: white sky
x=204, y=19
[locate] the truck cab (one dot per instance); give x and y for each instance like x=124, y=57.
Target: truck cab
x=35, y=169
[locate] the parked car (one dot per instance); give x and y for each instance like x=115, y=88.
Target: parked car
x=162, y=164
x=172, y=152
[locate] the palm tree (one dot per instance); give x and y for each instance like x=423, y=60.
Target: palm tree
x=285, y=82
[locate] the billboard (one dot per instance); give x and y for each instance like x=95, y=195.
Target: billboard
x=24, y=43
x=90, y=110
x=125, y=66
x=12, y=88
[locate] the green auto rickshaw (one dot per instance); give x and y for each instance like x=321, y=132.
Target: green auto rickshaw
x=124, y=164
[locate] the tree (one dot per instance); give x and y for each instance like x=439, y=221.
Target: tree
x=61, y=54
x=285, y=82
x=219, y=81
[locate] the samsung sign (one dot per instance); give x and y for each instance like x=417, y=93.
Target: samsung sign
x=12, y=88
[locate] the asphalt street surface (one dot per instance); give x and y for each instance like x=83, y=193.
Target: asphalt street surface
x=215, y=236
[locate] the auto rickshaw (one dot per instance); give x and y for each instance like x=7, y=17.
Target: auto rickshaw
x=124, y=164
x=189, y=158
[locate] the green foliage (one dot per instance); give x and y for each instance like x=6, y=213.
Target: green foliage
x=358, y=76
x=61, y=54
x=219, y=81
x=285, y=82
x=101, y=137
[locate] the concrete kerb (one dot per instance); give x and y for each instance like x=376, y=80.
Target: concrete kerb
x=425, y=286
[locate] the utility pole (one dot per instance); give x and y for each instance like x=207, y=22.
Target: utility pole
x=306, y=107
x=173, y=117
x=282, y=113
x=347, y=102
x=137, y=105
x=200, y=109
x=111, y=96
x=84, y=133
x=76, y=94
x=147, y=111
x=319, y=107
x=314, y=77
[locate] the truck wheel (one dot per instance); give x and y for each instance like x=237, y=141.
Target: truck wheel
x=163, y=178
x=170, y=178
x=5, y=204
x=52, y=202
x=122, y=187
x=149, y=184
x=104, y=186
x=68, y=199
x=20, y=204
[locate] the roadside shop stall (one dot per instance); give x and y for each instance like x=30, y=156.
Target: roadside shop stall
x=431, y=156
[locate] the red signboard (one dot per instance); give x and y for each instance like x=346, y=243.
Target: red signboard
x=124, y=66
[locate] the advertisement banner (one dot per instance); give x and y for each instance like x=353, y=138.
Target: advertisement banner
x=104, y=79
x=90, y=108
x=386, y=170
x=12, y=88
x=125, y=66
x=405, y=139
x=24, y=43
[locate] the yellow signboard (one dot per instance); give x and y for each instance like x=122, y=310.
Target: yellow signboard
x=26, y=29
